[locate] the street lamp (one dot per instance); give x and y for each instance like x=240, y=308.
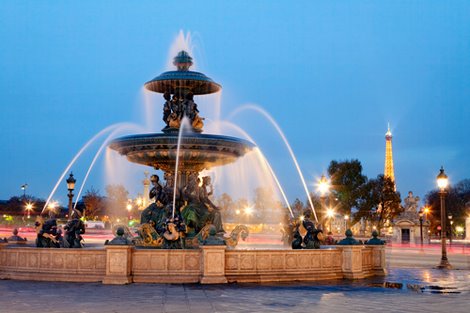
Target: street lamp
x=29, y=209
x=323, y=188
x=70, y=186
x=248, y=210
x=129, y=208
x=450, y=230
x=346, y=222
x=421, y=213
x=442, y=182
x=330, y=213
x=23, y=187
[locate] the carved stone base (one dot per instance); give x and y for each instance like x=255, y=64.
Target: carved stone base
x=213, y=265
x=352, y=262
x=118, y=265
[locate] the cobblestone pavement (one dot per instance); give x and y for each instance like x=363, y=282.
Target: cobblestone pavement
x=409, y=290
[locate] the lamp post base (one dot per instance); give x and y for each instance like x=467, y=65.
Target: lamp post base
x=445, y=265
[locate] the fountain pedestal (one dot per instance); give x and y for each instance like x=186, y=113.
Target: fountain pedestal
x=213, y=265
x=352, y=262
x=118, y=265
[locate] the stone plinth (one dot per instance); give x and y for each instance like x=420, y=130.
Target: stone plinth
x=118, y=265
x=213, y=265
x=352, y=262
x=378, y=261
x=166, y=266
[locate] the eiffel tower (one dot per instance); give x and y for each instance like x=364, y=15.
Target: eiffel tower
x=388, y=169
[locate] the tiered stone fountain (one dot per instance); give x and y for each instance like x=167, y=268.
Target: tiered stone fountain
x=184, y=217
x=181, y=151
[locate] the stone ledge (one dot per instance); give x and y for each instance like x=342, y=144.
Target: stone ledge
x=209, y=265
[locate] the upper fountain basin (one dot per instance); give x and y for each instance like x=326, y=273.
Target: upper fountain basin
x=197, y=151
x=188, y=81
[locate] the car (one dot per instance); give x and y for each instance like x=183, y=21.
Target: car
x=94, y=224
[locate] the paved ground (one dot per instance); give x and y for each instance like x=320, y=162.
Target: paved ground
x=419, y=290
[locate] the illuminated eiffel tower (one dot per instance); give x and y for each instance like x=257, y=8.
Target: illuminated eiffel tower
x=388, y=170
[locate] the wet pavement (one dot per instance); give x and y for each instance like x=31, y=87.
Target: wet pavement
x=407, y=290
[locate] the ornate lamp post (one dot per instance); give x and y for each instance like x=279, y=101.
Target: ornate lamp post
x=346, y=222
x=442, y=182
x=24, y=187
x=323, y=188
x=70, y=186
x=129, y=209
x=29, y=209
x=421, y=213
x=451, y=222
x=330, y=213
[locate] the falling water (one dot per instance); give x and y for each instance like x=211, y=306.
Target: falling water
x=181, y=42
x=149, y=109
x=111, y=136
x=262, y=156
x=88, y=143
x=281, y=133
x=184, y=125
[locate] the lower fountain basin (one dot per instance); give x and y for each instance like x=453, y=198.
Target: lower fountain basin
x=197, y=151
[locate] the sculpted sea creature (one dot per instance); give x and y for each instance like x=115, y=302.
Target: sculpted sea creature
x=149, y=236
x=240, y=231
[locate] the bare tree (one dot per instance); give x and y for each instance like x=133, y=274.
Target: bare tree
x=94, y=203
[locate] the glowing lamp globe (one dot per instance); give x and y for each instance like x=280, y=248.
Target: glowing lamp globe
x=442, y=180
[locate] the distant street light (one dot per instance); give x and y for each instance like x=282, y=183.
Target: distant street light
x=442, y=182
x=330, y=213
x=129, y=209
x=248, y=210
x=23, y=187
x=421, y=213
x=323, y=187
x=70, y=186
x=451, y=222
x=29, y=209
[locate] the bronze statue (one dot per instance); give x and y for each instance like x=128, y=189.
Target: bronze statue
x=349, y=240
x=306, y=235
x=212, y=239
x=121, y=239
x=197, y=122
x=74, y=230
x=48, y=234
x=156, y=212
x=176, y=106
x=214, y=212
x=15, y=238
x=174, y=121
x=374, y=240
x=166, y=107
x=194, y=212
x=190, y=107
x=157, y=190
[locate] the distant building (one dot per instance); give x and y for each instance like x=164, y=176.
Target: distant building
x=407, y=226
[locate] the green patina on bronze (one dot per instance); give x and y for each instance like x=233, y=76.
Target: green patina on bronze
x=349, y=240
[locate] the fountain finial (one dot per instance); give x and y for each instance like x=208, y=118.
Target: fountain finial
x=183, y=61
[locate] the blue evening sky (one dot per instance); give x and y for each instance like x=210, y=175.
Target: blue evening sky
x=331, y=73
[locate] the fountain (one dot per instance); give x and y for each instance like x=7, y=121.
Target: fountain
x=183, y=222
x=181, y=151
